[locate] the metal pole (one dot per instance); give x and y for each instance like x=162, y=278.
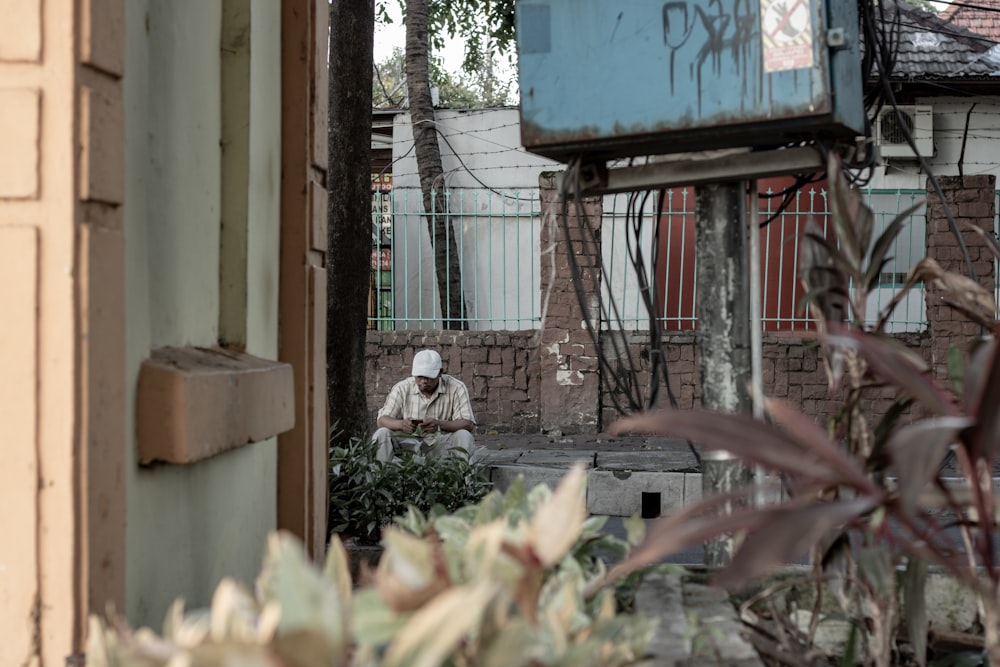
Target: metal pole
x=756, y=328
x=724, y=331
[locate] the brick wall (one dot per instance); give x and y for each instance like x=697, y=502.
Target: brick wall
x=971, y=200
x=791, y=367
x=549, y=380
x=500, y=368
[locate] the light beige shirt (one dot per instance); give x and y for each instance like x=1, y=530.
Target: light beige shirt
x=449, y=402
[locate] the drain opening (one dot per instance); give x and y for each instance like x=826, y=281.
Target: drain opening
x=650, y=505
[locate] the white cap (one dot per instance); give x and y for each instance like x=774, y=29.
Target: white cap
x=426, y=363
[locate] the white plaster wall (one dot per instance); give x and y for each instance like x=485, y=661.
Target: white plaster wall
x=497, y=231
x=489, y=143
x=187, y=526
x=505, y=252
x=982, y=146
x=492, y=157
x=981, y=150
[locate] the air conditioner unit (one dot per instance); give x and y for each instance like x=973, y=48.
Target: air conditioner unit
x=891, y=130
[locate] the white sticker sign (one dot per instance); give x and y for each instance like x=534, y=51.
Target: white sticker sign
x=786, y=32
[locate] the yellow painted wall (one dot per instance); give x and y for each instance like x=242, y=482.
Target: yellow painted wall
x=187, y=526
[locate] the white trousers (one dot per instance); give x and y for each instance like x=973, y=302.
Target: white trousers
x=391, y=441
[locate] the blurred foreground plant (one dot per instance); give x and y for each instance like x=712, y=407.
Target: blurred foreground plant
x=500, y=583
x=866, y=495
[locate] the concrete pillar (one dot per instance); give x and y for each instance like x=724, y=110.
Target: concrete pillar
x=570, y=381
x=721, y=249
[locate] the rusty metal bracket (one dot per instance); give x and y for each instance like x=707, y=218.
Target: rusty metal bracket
x=698, y=169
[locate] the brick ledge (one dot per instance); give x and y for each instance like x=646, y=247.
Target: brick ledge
x=193, y=403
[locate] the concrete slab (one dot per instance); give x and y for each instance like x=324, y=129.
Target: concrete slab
x=653, y=461
x=601, y=442
x=503, y=475
x=498, y=456
x=661, y=597
x=562, y=458
x=618, y=493
x=697, y=624
x=718, y=634
x=692, y=488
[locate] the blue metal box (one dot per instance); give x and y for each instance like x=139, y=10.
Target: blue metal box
x=619, y=78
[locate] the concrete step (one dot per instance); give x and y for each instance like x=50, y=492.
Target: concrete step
x=622, y=483
x=625, y=476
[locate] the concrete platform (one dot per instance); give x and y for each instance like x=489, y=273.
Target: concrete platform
x=697, y=625
x=625, y=474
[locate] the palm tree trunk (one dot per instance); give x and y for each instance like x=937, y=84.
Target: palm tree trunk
x=425, y=140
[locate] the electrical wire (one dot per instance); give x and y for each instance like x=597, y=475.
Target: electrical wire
x=968, y=5
x=469, y=171
x=620, y=380
x=788, y=195
x=883, y=41
x=881, y=30
x=618, y=385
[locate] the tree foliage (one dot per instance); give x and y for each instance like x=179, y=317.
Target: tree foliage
x=487, y=26
x=925, y=5
x=484, y=89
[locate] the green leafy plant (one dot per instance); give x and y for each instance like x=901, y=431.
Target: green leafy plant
x=504, y=582
x=865, y=495
x=365, y=494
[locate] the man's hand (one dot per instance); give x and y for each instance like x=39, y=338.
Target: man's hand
x=399, y=425
x=445, y=426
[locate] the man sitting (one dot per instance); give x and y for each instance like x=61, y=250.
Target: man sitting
x=429, y=412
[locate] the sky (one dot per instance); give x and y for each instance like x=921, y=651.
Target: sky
x=388, y=36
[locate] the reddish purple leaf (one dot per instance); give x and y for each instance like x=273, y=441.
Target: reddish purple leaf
x=692, y=525
x=743, y=436
x=987, y=411
x=786, y=534
x=814, y=438
x=976, y=373
x=898, y=365
x=917, y=450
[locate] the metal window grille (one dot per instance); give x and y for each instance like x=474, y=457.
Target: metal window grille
x=497, y=234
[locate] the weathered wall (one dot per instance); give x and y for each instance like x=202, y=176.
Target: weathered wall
x=508, y=396
x=559, y=368
x=190, y=525
x=792, y=371
x=500, y=368
x=971, y=200
x=960, y=134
